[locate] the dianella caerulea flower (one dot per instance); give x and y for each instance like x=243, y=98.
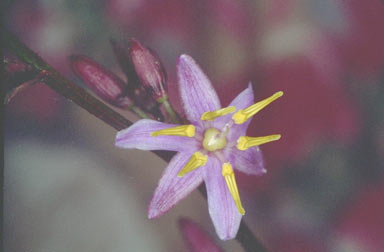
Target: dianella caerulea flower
x=209, y=148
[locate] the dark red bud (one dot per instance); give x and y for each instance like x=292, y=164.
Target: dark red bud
x=101, y=81
x=149, y=69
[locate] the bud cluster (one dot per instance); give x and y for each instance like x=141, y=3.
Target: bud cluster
x=145, y=89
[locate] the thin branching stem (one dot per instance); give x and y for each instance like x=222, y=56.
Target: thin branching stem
x=82, y=98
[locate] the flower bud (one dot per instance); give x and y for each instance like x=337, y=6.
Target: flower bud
x=101, y=81
x=149, y=69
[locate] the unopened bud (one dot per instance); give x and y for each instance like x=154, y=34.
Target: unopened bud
x=101, y=81
x=149, y=69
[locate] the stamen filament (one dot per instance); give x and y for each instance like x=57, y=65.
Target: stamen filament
x=246, y=142
x=229, y=176
x=242, y=115
x=183, y=130
x=212, y=115
x=197, y=160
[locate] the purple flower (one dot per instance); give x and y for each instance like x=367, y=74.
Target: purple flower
x=208, y=148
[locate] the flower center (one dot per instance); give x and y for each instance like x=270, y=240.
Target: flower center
x=214, y=140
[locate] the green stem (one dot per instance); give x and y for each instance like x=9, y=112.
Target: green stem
x=171, y=112
x=138, y=111
x=82, y=98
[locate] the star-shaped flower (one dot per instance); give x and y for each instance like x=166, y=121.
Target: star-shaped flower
x=208, y=148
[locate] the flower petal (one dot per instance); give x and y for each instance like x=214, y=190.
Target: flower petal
x=222, y=209
x=172, y=188
x=250, y=162
x=196, y=90
x=138, y=136
x=242, y=101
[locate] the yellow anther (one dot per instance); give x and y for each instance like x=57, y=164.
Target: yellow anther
x=212, y=115
x=245, y=142
x=183, y=130
x=197, y=160
x=229, y=176
x=242, y=115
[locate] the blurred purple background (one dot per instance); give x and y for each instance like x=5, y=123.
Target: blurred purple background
x=68, y=188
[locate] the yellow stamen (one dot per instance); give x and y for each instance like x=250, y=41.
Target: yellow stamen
x=229, y=176
x=212, y=115
x=197, y=160
x=242, y=115
x=183, y=130
x=245, y=142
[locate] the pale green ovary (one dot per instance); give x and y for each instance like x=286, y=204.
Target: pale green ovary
x=214, y=140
